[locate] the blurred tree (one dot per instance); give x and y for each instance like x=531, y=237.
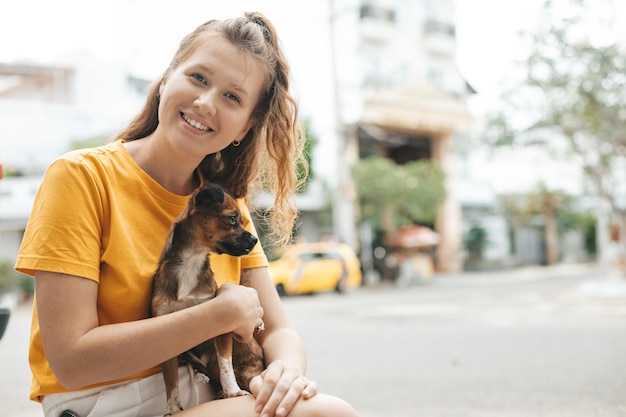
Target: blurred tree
x=584, y=222
x=548, y=203
x=572, y=98
x=516, y=214
x=309, y=144
x=398, y=195
x=556, y=209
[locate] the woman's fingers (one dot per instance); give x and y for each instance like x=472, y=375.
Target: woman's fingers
x=246, y=308
x=285, y=396
x=278, y=389
x=310, y=391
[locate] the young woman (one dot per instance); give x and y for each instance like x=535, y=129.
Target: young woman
x=221, y=112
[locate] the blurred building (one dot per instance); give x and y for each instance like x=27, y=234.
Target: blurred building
x=46, y=110
x=400, y=94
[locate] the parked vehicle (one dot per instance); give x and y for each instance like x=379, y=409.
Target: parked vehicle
x=306, y=268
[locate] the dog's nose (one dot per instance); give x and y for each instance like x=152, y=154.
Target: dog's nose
x=252, y=239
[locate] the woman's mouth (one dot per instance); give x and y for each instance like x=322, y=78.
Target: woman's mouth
x=195, y=123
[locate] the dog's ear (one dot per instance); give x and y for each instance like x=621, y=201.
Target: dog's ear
x=209, y=194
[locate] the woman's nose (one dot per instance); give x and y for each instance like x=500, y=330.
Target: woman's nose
x=205, y=102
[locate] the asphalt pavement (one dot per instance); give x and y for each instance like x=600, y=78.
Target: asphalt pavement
x=530, y=342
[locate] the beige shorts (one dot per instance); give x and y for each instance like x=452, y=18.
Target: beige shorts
x=139, y=398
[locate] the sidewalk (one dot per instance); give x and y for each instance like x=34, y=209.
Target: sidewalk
x=595, y=272
x=15, y=374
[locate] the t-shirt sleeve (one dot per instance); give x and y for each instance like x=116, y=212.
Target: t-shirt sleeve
x=64, y=230
x=256, y=258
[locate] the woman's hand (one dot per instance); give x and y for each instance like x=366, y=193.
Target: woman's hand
x=278, y=389
x=244, y=304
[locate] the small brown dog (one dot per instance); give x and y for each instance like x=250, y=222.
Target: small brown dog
x=211, y=223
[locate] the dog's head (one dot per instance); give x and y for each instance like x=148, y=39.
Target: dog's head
x=213, y=220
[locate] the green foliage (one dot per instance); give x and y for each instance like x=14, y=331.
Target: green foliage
x=7, y=281
x=26, y=284
x=309, y=144
x=90, y=142
x=571, y=219
x=412, y=191
x=10, y=171
x=588, y=225
x=572, y=96
x=519, y=209
x=547, y=201
x=10, y=280
x=475, y=241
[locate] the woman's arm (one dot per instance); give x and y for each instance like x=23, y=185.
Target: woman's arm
x=82, y=353
x=283, y=383
x=280, y=340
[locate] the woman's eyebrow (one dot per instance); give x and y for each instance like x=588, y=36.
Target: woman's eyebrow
x=237, y=87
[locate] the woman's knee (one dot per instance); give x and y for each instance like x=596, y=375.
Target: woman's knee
x=323, y=405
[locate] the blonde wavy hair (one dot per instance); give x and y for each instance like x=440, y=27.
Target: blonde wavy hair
x=268, y=157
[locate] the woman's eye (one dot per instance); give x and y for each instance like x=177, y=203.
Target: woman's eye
x=199, y=77
x=232, y=97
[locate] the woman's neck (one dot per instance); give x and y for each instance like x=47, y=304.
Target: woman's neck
x=175, y=176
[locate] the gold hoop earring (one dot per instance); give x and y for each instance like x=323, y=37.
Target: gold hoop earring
x=236, y=143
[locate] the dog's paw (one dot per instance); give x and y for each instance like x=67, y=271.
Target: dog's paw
x=173, y=406
x=240, y=393
x=200, y=377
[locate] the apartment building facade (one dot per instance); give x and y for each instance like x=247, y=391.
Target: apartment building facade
x=400, y=95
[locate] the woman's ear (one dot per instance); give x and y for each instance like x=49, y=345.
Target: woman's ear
x=250, y=124
x=245, y=131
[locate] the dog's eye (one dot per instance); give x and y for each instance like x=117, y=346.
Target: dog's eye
x=233, y=220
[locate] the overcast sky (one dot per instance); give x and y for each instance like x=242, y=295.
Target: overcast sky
x=145, y=33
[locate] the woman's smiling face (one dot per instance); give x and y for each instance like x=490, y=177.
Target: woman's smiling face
x=207, y=101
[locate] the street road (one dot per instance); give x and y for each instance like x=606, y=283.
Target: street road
x=518, y=345
x=537, y=342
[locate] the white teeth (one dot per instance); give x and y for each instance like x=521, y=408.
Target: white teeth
x=195, y=124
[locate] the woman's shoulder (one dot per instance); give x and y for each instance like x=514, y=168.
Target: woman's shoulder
x=101, y=153
x=107, y=158
x=88, y=164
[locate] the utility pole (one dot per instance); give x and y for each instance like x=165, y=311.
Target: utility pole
x=344, y=197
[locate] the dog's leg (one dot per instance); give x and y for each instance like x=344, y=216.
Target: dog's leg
x=199, y=365
x=224, y=351
x=170, y=376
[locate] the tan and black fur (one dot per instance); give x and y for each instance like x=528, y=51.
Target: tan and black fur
x=211, y=223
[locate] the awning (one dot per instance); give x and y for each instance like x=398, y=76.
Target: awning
x=416, y=237
x=417, y=108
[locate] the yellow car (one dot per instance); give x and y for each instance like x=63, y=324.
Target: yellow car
x=306, y=268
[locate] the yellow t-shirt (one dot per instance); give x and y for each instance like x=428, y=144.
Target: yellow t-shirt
x=98, y=215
